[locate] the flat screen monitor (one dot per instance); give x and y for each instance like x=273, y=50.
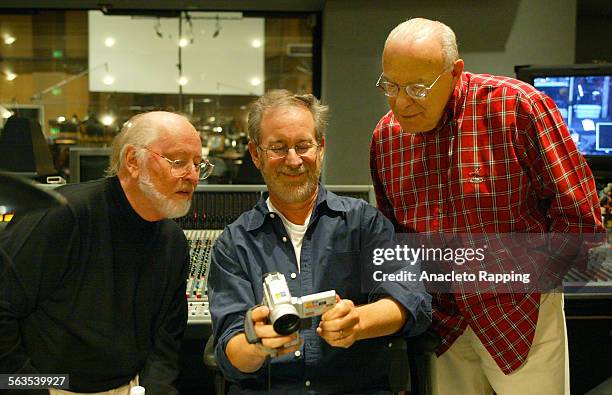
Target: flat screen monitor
x=88, y=163
x=583, y=95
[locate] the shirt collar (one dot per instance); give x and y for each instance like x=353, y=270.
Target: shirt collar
x=326, y=200
x=121, y=203
x=457, y=99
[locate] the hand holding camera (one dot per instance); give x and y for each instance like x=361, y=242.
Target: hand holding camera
x=339, y=326
x=285, y=313
x=270, y=342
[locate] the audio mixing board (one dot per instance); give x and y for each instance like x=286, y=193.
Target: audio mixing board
x=200, y=251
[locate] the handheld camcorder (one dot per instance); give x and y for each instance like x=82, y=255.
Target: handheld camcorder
x=288, y=314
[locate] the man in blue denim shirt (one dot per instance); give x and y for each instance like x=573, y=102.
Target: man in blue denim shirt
x=320, y=242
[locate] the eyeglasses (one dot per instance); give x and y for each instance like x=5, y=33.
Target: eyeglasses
x=180, y=168
x=415, y=91
x=281, y=151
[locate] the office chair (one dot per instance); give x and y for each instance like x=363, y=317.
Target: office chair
x=210, y=361
x=23, y=148
x=415, y=352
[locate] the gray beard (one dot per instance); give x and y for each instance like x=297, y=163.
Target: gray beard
x=292, y=193
x=167, y=207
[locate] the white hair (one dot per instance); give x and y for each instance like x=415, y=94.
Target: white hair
x=420, y=28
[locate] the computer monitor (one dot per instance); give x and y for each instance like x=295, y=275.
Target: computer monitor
x=583, y=94
x=88, y=163
x=603, y=137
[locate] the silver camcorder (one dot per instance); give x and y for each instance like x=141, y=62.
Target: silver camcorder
x=287, y=313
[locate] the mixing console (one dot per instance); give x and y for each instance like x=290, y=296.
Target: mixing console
x=200, y=250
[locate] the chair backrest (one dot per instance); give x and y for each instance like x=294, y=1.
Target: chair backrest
x=23, y=148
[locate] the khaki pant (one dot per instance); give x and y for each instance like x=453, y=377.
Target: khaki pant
x=123, y=390
x=467, y=367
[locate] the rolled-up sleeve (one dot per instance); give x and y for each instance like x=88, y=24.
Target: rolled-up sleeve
x=231, y=295
x=378, y=232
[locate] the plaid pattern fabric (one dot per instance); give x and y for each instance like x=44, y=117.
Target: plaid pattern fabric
x=502, y=160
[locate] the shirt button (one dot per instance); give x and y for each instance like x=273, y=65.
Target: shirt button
x=284, y=239
x=307, y=383
x=297, y=353
x=293, y=275
x=272, y=215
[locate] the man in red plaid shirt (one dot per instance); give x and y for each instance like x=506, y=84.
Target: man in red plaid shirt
x=469, y=153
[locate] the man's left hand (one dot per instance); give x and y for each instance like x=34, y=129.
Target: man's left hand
x=339, y=326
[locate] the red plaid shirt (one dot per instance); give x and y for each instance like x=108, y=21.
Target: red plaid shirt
x=531, y=179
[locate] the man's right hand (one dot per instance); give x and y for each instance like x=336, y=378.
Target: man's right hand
x=269, y=338
x=249, y=358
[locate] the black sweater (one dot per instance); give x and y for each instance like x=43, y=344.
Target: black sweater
x=94, y=291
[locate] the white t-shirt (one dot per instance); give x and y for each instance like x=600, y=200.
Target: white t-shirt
x=296, y=232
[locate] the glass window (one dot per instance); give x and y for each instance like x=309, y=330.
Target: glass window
x=82, y=74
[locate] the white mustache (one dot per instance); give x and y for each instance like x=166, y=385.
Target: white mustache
x=186, y=188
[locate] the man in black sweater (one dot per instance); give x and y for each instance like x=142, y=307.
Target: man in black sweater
x=96, y=289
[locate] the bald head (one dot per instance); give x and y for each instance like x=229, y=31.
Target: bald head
x=421, y=52
x=425, y=33
x=142, y=130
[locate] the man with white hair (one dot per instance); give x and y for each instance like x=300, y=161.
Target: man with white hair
x=96, y=289
x=464, y=153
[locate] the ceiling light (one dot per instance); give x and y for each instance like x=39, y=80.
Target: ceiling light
x=217, y=129
x=9, y=40
x=109, y=41
x=61, y=119
x=183, y=42
x=10, y=76
x=107, y=120
x=207, y=100
x=182, y=81
x=108, y=79
x=6, y=114
x=256, y=43
x=212, y=119
x=255, y=81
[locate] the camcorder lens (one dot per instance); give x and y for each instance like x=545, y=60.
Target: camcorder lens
x=286, y=324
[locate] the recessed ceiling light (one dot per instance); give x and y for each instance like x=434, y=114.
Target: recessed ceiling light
x=256, y=43
x=9, y=40
x=108, y=79
x=109, y=41
x=61, y=119
x=183, y=42
x=6, y=114
x=183, y=80
x=255, y=81
x=107, y=120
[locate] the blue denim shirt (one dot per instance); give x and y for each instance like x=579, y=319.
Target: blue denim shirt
x=336, y=249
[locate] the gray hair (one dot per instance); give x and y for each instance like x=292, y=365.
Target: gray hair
x=419, y=28
x=283, y=98
x=139, y=131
